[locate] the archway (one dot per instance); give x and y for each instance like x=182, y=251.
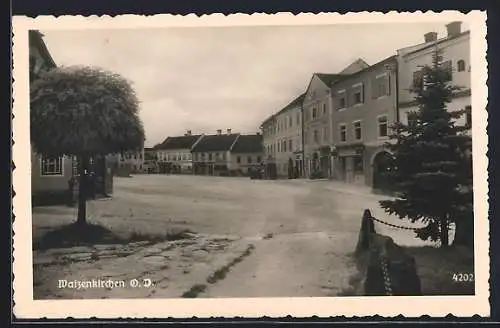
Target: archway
x=381, y=165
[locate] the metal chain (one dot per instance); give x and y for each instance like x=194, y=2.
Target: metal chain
x=386, y=276
x=393, y=225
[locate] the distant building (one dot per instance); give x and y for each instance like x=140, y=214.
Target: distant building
x=246, y=154
x=132, y=161
x=211, y=155
x=282, y=138
x=151, y=160
x=174, y=154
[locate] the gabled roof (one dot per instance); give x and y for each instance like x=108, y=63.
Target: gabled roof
x=328, y=79
x=183, y=142
x=209, y=143
x=369, y=68
x=248, y=143
x=355, y=67
x=294, y=103
x=36, y=40
x=297, y=101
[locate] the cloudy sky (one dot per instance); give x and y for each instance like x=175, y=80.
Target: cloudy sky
x=209, y=78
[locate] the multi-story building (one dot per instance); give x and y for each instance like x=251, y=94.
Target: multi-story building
x=282, y=139
x=246, y=154
x=455, y=47
x=211, y=154
x=49, y=176
x=364, y=108
x=174, y=154
x=317, y=111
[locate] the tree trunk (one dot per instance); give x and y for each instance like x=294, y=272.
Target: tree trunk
x=464, y=232
x=82, y=191
x=444, y=237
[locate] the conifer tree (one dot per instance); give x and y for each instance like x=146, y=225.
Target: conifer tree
x=431, y=165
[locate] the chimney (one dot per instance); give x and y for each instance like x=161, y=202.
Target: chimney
x=454, y=28
x=228, y=131
x=430, y=37
x=188, y=132
x=219, y=132
x=258, y=133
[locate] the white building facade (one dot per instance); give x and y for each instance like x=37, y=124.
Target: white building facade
x=455, y=47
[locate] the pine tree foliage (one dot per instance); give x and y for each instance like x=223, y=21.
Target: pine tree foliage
x=431, y=166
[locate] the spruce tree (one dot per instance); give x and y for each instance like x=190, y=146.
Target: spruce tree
x=431, y=166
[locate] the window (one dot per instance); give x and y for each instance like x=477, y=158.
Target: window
x=358, y=164
x=290, y=145
x=468, y=116
x=343, y=132
x=418, y=79
x=448, y=68
x=316, y=136
x=284, y=146
x=290, y=121
x=412, y=119
x=342, y=102
x=357, y=97
x=357, y=130
x=382, y=126
x=258, y=159
x=358, y=93
x=238, y=159
x=381, y=86
x=209, y=157
x=461, y=65
x=249, y=159
x=314, y=113
x=279, y=146
x=51, y=166
x=324, y=109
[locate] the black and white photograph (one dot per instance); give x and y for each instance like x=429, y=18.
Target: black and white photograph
x=340, y=160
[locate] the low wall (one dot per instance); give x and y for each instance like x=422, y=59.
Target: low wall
x=390, y=271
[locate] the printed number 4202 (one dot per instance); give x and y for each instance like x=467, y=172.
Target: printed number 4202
x=463, y=277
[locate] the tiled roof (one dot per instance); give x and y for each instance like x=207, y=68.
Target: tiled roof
x=297, y=101
x=183, y=142
x=249, y=143
x=222, y=142
x=36, y=39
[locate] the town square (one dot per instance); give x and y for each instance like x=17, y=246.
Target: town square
x=222, y=162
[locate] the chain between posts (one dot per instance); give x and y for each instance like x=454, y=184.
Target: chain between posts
x=393, y=225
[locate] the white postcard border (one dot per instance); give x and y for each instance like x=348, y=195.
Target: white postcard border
x=26, y=307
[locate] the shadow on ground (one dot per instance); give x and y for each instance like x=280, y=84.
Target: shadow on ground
x=74, y=234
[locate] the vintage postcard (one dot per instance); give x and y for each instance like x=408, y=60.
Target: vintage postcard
x=250, y=165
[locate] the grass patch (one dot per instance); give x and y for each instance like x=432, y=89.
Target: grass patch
x=436, y=268
x=89, y=234
x=194, y=291
x=222, y=272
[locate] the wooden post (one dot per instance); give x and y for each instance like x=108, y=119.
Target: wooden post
x=365, y=232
